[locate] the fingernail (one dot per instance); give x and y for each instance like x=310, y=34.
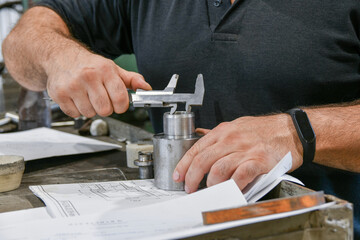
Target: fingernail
x=147, y=85
x=176, y=176
x=187, y=190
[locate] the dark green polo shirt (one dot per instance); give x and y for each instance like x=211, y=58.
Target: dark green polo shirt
x=257, y=56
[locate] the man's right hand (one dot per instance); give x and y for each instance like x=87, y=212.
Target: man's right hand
x=40, y=53
x=90, y=84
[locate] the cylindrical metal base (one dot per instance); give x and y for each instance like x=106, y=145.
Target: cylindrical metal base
x=167, y=154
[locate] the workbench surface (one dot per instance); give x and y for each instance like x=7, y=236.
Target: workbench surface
x=111, y=166
x=92, y=167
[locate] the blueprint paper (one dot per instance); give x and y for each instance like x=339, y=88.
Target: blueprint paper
x=179, y=214
x=68, y=200
x=173, y=219
x=115, y=210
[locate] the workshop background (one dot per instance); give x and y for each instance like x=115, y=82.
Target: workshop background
x=10, y=12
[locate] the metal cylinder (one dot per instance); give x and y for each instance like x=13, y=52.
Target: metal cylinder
x=145, y=164
x=146, y=172
x=179, y=124
x=170, y=146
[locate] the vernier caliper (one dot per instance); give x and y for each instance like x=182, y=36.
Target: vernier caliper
x=167, y=97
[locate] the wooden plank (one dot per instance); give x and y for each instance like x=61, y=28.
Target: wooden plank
x=264, y=208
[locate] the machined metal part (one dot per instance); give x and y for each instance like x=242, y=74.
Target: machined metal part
x=145, y=164
x=170, y=146
x=179, y=125
x=167, y=97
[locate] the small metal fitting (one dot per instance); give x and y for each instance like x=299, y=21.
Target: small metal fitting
x=145, y=164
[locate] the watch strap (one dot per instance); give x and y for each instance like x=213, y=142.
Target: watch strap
x=305, y=132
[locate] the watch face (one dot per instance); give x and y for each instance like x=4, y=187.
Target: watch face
x=305, y=126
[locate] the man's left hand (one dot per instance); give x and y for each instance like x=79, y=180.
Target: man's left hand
x=242, y=150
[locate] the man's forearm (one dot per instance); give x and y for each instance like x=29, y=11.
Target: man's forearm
x=33, y=45
x=337, y=130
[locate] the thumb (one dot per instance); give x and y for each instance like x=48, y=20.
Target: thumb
x=133, y=80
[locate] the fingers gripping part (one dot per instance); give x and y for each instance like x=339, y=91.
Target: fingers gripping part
x=133, y=80
x=223, y=169
x=246, y=173
x=69, y=109
x=118, y=95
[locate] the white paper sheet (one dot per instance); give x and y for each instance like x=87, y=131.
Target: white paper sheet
x=44, y=142
x=257, y=195
x=180, y=214
x=264, y=183
x=22, y=216
x=68, y=200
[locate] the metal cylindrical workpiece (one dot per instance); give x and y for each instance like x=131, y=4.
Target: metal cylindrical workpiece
x=179, y=124
x=170, y=146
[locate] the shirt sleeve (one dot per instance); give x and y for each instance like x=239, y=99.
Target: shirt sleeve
x=102, y=25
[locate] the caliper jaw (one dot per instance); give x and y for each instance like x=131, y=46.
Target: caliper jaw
x=167, y=97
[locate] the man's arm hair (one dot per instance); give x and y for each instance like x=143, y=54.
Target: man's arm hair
x=34, y=44
x=337, y=129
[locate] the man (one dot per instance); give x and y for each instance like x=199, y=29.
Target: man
x=258, y=58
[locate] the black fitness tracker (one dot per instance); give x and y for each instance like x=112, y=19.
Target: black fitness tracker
x=305, y=132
